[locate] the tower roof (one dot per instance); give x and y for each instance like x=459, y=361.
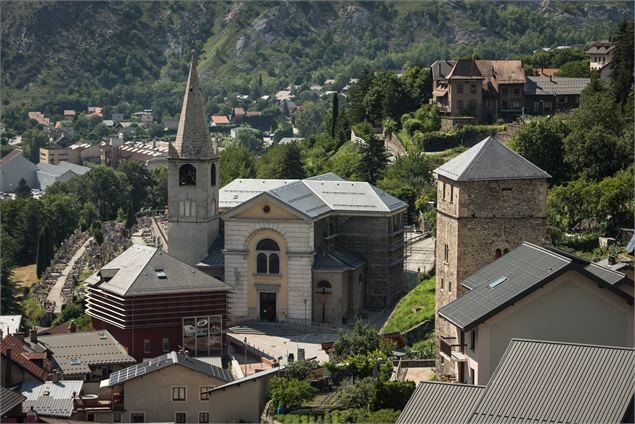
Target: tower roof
x=490, y=160
x=192, y=137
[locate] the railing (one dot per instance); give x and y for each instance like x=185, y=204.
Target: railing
x=445, y=348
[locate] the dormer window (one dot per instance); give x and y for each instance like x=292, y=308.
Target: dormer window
x=187, y=175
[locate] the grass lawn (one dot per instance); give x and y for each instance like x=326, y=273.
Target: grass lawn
x=415, y=307
x=24, y=276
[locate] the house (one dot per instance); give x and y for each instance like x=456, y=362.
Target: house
x=145, y=117
x=537, y=381
x=21, y=363
x=600, y=54
x=540, y=293
x=283, y=96
x=549, y=95
x=109, y=123
x=95, y=111
x=60, y=130
x=47, y=174
x=179, y=393
x=238, y=114
x=11, y=405
x=241, y=400
x=51, y=398
x=218, y=120
x=478, y=91
x=253, y=114
x=126, y=128
x=546, y=72
x=152, y=303
x=39, y=118
x=86, y=356
x=14, y=167
x=69, y=114
x=10, y=324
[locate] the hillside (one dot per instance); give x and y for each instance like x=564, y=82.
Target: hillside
x=133, y=54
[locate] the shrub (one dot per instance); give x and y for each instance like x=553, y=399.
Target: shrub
x=383, y=416
x=299, y=370
x=394, y=394
x=291, y=393
x=359, y=394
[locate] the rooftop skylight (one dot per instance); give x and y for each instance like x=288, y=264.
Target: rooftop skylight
x=498, y=281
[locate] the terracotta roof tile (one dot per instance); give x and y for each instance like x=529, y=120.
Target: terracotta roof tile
x=17, y=348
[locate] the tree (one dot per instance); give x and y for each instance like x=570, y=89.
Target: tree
x=158, y=192
x=541, y=142
x=236, y=162
x=8, y=294
x=42, y=253
x=88, y=216
x=139, y=179
x=334, y=114
x=299, y=370
x=575, y=69
x=283, y=161
x=363, y=339
x=622, y=63
x=22, y=190
x=374, y=160
x=359, y=394
x=309, y=119
x=32, y=140
x=291, y=393
x=131, y=218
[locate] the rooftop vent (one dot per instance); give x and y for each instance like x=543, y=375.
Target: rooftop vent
x=160, y=273
x=498, y=281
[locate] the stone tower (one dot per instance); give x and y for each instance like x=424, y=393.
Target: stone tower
x=192, y=180
x=489, y=200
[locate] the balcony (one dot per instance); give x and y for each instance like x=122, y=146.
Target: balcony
x=455, y=352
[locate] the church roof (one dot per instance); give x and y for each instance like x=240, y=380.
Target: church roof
x=314, y=196
x=215, y=257
x=193, y=140
x=336, y=259
x=490, y=160
x=144, y=270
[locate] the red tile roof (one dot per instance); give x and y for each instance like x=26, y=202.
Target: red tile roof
x=17, y=353
x=220, y=119
x=253, y=114
x=547, y=72
x=239, y=111
x=69, y=112
x=63, y=328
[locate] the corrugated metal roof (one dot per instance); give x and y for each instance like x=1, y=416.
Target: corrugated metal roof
x=490, y=160
x=215, y=257
x=9, y=399
x=251, y=377
x=539, y=381
x=241, y=190
x=75, y=352
x=545, y=86
x=436, y=402
x=136, y=274
x=55, y=399
x=61, y=168
x=524, y=269
x=337, y=259
x=164, y=361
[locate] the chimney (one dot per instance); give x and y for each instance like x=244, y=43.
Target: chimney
x=611, y=260
x=550, y=78
x=72, y=327
x=55, y=376
x=33, y=335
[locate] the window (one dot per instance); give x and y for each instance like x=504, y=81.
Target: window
x=451, y=194
x=517, y=91
x=442, y=284
x=146, y=346
x=516, y=104
x=473, y=88
x=472, y=379
x=504, y=91
x=449, y=286
x=204, y=394
x=562, y=99
x=137, y=417
x=505, y=251
x=213, y=176
x=267, y=258
x=166, y=344
x=203, y=417
x=504, y=104
x=497, y=254
x=187, y=175
x=446, y=253
x=180, y=417
x=459, y=104
x=444, y=190
x=178, y=393
x=536, y=106
x=459, y=88
x=473, y=341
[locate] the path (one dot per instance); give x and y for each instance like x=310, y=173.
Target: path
x=55, y=295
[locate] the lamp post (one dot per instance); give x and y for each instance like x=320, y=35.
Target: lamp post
x=245, y=345
x=305, y=301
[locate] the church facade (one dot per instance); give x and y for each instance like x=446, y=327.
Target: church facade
x=320, y=249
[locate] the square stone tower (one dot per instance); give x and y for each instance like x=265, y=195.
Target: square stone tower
x=489, y=200
x=193, y=222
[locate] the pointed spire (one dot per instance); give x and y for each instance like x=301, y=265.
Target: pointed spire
x=192, y=137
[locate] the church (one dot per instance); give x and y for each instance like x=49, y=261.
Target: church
x=320, y=249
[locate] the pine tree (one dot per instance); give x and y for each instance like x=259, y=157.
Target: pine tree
x=622, y=62
x=41, y=253
x=334, y=114
x=22, y=190
x=131, y=219
x=374, y=160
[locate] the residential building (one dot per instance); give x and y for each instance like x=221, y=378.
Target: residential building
x=489, y=200
x=179, y=393
x=546, y=95
x=50, y=399
x=39, y=118
x=14, y=167
x=537, y=381
x=600, y=54
x=19, y=362
x=10, y=324
x=69, y=114
x=75, y=153
x=218, y=120
x=283, y=96
x=478, y=90
x=241, y=400
x=440, y=71
x=152, y=303
x=145, y=117
x=538, y=293
x=238, y=114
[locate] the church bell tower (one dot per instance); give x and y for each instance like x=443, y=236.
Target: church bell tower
x=192, y=180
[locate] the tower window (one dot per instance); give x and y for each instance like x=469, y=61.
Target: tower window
x=267, y=258
x=497, y=254
x=213, y=177
x=187, y=175
x=446, y=253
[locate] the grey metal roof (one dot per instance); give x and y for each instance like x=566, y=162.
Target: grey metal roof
x=164, y=361
x=61, y=168
x=314, y=196
x=441, y=69
x=490, y=160
x=9, y=399
x=75, y=352
x=215, y=257
x=545, y=86
x=54, y=399
x=137, y=274
x=518, y=273
x=251, y=377
x=436, y=402
x=336, y=259
x=610, y=276
x=540, y=381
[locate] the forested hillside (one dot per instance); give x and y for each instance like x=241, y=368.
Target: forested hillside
x=134, y=54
